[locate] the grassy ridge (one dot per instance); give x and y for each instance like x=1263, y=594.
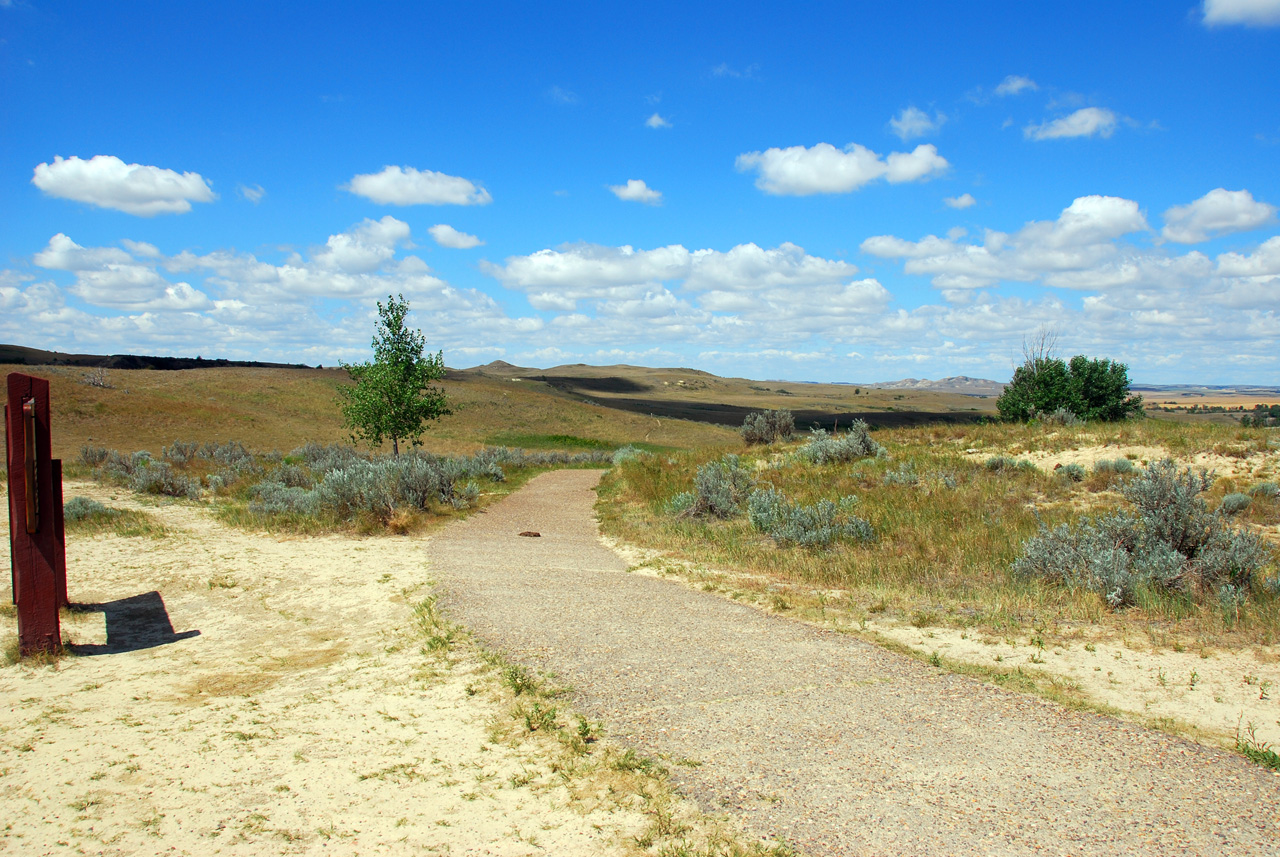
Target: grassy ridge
x=280, y=409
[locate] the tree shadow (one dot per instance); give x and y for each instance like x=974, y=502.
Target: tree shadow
x=137, y=622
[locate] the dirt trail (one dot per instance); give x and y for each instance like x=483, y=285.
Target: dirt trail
x=245, y=694
x=828, y=742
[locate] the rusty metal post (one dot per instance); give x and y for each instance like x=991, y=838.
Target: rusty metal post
x=59, y=538
x=31, y=495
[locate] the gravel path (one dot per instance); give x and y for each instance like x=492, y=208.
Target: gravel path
x=832, y=744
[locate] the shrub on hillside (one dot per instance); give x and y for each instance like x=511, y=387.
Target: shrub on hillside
x=1265, y=489
x=905, y=474
x=1170, y=541
x=1072, y=472
x=1234, y=504
x=818, y=525
x=1120, y=466
x=768, y=426
x=719, y=490
x=855, y=443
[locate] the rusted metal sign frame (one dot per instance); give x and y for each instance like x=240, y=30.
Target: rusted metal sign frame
x=37, y=548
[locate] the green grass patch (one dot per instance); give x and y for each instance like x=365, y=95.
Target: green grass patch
x=521, y=440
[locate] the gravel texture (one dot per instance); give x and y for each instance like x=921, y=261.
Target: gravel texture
x=827, y=742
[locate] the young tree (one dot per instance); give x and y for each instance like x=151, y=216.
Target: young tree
x=392, y=397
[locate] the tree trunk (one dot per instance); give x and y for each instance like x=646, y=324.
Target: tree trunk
x=395, y=446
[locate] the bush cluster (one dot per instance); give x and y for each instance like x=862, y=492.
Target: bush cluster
x=768, y=426
x=140, y=473
x=1120, y=466
x=336, y=481
x=83, y=509
x=719, y=490
x=1168, y=542
x=1084, y=389
x=818, y=525
x=855, y=443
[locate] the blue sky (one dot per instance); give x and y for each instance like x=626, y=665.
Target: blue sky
x=847, y=192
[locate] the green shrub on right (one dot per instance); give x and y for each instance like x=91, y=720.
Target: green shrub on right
x=1169, y=542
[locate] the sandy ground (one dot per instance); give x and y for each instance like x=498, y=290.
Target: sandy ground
x=288, y=709
x=1249, y=470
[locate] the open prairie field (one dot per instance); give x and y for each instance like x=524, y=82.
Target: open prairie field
x=694, y=395
x=280, y=409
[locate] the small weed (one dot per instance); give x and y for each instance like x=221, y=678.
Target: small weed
x=1251, y=747
x=518, y=679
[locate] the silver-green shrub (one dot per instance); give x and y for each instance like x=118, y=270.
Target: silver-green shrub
x=1122, y=466
x=905, y=474
x=1061, y=417
x=1004, y=463
x=1072, y=472
x=824, y=448
x=818, y=525
x=1234, y=504
x=1265, y=489
x=625, y=454
x=719, y=489
x=1170, y=541
x=293, y=476
x=180, y=452
x=275, y=498
x=768, y=426
x=82, y=509
x=163, y=478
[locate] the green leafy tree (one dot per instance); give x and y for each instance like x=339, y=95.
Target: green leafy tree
x=1091, y=389
x=392, y=397
x=1100, y=390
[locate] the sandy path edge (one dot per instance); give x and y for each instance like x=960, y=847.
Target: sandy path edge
x=825, y=741
x=303, y=718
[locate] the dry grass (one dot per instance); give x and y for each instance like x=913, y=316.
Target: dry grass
x=281, y=409
x=944, y=552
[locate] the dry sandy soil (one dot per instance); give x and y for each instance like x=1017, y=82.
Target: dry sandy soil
x=278, y=700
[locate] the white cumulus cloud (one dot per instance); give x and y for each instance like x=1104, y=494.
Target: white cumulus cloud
x=1218, y=212
x=635, y=190
x=1015, y=83
x=802, y=171
x=914, y=122
x=408, y=186
x=446, y=236
x=656, y=121
x=108, y=182
x=964, y=200
x=1085, y=122
x=363, y=248
x=1073, y=251
x=1258, y=13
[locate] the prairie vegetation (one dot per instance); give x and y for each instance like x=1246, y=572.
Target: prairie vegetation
x=952, y=509
x=282, y=409
x=317, y=488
